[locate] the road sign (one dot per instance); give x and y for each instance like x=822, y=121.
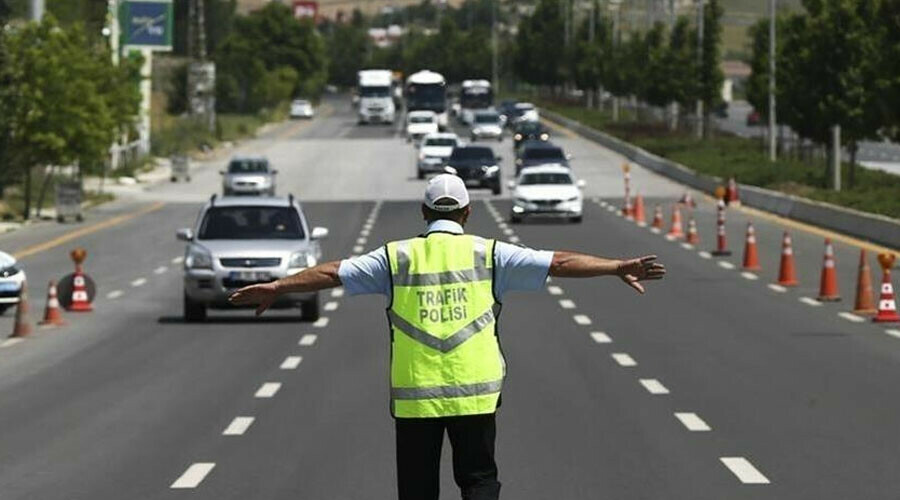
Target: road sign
x=147, y=24
x=68, y=200
x=306, y=8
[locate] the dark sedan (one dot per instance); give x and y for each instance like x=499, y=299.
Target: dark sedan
x=527, y=131
x=477, y=166
x=533, y=153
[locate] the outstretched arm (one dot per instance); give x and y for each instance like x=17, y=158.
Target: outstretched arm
x=309, y=280
x=632, y=271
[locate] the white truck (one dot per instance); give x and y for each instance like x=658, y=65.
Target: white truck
x=376, y=103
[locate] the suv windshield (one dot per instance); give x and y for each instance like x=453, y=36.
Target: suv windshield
x=544, y=154
x=251, y=223
x=472, y=153
x=375, y=91
x=486, y=118
x=440, y=142
x=248, y=167
x=546, y=178
x=420, y=119
x=529, y=128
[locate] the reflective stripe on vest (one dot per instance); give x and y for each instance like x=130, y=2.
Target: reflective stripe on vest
x=402, y=276
x=447, y=391
x=445, y=345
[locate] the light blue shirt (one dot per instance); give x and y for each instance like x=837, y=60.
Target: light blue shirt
x=515, y=267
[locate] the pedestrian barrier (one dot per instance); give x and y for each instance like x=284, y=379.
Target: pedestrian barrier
x=787, y=274
x=693, y=237
x=828, y=286
x=887, y=305
x=751, y=253
x=721, y=239
x=52, y=314
x=864, y=303
x=675, y=231
x=22, y=328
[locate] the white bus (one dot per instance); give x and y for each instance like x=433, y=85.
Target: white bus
x=376, y=103
x=427, y=91
x=474, y=95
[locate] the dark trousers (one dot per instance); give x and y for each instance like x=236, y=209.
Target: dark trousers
x=419, y=443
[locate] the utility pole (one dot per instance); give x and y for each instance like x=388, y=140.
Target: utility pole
x=495, y=68
x=616, y=6
x=772, y=120
x=836, y=157
x=201, y=72
x=700, y=21
x=37, y=10
x=591, y=29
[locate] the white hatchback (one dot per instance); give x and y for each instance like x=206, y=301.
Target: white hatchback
x=12, y=276
x=547, y=191
x=434, y=151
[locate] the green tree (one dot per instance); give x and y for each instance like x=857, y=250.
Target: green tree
x=887, y=28
x=681, y=63
x=711, y=76
x=348, y=52
x=539, y=42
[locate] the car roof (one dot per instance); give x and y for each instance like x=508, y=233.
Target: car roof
x=474, y=147
x=421, y=113
x=533, y=144
x=524, y=105
x=251, y=201
x=441, y=135
x=547, y=168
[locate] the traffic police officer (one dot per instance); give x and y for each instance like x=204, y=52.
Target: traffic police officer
x=444, y=288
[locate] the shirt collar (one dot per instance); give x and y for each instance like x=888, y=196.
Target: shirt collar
x=444, y=226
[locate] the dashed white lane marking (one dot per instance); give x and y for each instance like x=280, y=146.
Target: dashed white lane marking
x=358, y=249
x=810, y=301
x=744, y=470
x=11, y=342
x=160, y=270
x=331, y=306
x=555, y=290
x=750, y=276
x=610, y=208
x=291, y=362
x=566, y=304
x=655, y=230
x=508, y=232
x=654, y=386
x=624, y=359
x=178, y=260
x=139, y=282
x=267, y=390
x=851, y=317
x=581, y=319
x=115, y=294
x=777, y=288
x=600, y=338
x=321, y=322
x=890, y=331
x=361, y=241
x=704, y=254
x=726, y=265
x=502, y=225
x=308, y=339
x=692, y=422
x=337, y=293
x=238, y=426
x=193, y=476
x=514, y=239
x=687, y=246
x=364, y=232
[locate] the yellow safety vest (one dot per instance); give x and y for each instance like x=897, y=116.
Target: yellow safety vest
x=445, y=356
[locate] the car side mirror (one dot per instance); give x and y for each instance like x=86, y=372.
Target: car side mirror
x=274, y=171
x=319, y=233
x=569, y=156
x=221, y=172
x=185, y=234
x=581, y=184
x=499, y=159
x=511, y=184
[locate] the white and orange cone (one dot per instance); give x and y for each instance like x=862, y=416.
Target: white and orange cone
x=52, y=313
x=828, y=287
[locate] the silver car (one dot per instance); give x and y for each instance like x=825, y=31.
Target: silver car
x=250, y=175
x=239, y=241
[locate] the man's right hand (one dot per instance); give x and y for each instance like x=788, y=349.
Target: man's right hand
x=261, y=295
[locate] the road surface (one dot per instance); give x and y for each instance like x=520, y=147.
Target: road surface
x=710, y=386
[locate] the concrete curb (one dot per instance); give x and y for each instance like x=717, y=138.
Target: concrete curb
x=875, y=228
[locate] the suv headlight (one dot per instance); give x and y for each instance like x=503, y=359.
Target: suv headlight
x=198, y=258
x=302, y=259
x=518, y=137
x=490, y=170
x=574, y=198
x=545, y=136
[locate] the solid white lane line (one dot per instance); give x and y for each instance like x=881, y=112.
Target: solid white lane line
x=725, y=264
x=115, y=294
x=687, y=246
x=777, y=288
x=331, y=306
x=358, y=249
x=654, y=386
x=291, y=362
x=810, y=301
x=581, y=319
x=178, y=260
x=623, y=359
x=750, y=276
x=851, y=317
x=321, y=322
x=267, y=390
x=744, y=470
x=160, y=270
x=139, y=282
x=692, y=422
x=566, y=304
x=11, y=341
x=704, y=254
x=555, y=290
x=193, y=476
x=514, y=239
x=337, y=293
x=361, y=241
x=890, y=331
x=601, y=338
x=308, y=339
x=238, y=426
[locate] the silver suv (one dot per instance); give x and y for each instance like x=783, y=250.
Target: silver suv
x=250, y=175
x=239, y=241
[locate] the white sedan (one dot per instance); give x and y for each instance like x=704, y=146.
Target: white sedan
x=434, y=151
x=546, y=191
x=419, y=124
x=301, y=108
x=11, y=279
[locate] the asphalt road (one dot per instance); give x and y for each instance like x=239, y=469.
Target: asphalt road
x=707, y=384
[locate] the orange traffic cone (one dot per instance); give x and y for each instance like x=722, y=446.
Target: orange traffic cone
x=864, y=303
x=787, y=275
x=731, y=193
x=828, y=287
x=887, y=306
x=22, y=327
x=693, y=237
x=80, y=301
x=751, y=255
x=657, y=219
x=675, y=232
x=721, y=242
x=628, y=209
x=639, y=216
x=52, y=314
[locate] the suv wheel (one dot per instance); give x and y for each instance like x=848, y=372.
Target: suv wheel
x=310, y=309
x=193, y=311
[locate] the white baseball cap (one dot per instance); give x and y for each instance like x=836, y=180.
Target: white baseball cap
x=446, y=188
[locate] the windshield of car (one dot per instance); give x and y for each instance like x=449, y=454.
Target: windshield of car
x=487, y=118
x=375, y=91
x=544, y=154
x=521, y=108
x=420, y=119
x=529, y=128
x=545, y=178
x=442, y=141
x=251, y=223
x=248, y=167
x=301, y=103
x=472, y=154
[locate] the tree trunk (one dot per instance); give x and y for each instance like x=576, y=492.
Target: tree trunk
x=851, y=175
x=27, y=210
x=44, y=185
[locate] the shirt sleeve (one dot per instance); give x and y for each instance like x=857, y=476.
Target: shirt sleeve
x=519, y=268
x=366, y=274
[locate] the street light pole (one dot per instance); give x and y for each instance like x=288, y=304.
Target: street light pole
x=700, y=21
x=772, y=119
x=37, y=10
x=495, y=71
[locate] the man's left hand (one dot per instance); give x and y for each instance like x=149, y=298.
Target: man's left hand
x=633, y=271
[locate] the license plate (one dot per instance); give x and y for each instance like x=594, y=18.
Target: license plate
x=473, y=182
x=250, y=276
